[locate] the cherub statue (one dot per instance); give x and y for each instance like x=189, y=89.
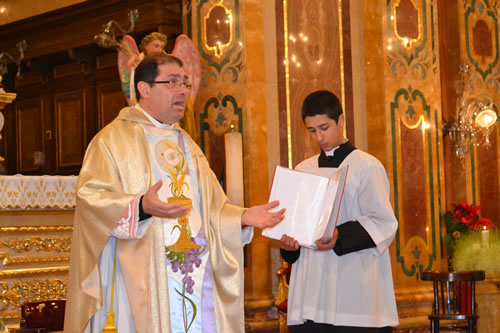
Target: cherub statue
x=154, y=43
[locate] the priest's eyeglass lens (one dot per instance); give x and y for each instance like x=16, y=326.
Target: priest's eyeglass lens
x=174, y=84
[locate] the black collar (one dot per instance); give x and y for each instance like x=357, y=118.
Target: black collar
x=339, y=155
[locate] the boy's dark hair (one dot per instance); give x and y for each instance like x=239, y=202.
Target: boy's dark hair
x=322, y=102
x=147, y=70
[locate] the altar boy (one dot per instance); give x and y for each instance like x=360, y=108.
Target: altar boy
x=346, y=285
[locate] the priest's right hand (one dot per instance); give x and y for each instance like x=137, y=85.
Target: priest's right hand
x=152, y=205
x=289, y=243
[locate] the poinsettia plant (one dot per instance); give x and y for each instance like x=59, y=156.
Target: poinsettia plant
x=463, y=219
x=468, y=215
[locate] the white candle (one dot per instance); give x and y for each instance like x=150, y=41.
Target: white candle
x=234, y=168
x=484, y=236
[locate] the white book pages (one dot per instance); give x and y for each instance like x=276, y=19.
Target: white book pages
x=340, y=182
x=310, y=202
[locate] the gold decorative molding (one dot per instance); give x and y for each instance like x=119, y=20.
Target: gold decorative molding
x=407, y=42
x=38, y=244
x=287, y=85
x=10, y=315
x=26, y=272
x=282, y=292
x=341, y=48
x=13, y=261
x=36, y=230
x=19, y=292
x=210, y=19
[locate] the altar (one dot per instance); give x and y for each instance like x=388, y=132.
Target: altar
x=36, y=222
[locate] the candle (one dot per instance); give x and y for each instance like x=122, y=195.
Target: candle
x=484, y=236
x=234, y=167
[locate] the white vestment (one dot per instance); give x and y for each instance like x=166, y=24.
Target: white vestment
x=355, y=289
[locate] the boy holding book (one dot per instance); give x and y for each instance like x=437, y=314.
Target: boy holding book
x=346, y=285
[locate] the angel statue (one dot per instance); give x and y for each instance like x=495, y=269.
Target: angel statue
x=154, y=43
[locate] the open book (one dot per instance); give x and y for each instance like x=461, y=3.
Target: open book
x=312, y=201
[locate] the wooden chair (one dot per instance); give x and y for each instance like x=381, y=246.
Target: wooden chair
x=454, y=300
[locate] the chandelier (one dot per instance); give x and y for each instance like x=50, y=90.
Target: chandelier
x=474, y=116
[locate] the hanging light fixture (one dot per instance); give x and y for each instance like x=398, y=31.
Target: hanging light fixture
x=5, y=97
x=474, y=116
x=107, y=38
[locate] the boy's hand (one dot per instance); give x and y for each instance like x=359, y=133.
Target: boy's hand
x=327, y=245
x=288, y=243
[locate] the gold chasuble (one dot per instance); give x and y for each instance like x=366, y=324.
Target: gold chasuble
x=166, y=266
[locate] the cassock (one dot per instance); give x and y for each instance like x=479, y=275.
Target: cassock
x=120, y=165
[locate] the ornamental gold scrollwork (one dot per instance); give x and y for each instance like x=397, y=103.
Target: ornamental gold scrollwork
x=282, y=293
x=36, y=243
x=20, y=292
x=22, y=260
x=37, y=230
x=25, y=272
x=10, y=315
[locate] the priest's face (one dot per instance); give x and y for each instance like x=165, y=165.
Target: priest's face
x=325, y=132
x=168, y=96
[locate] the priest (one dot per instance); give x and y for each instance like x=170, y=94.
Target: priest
x=156, y=245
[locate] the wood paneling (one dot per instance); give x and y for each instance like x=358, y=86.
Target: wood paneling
x=71, y=132
x=71, y=87
x=110, y=100
x=75, y=26
x=29, y=116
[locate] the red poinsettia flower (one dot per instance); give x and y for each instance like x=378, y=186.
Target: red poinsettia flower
x=469, y=215
x=482, y=223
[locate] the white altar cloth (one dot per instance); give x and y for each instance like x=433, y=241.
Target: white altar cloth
x=37, y=192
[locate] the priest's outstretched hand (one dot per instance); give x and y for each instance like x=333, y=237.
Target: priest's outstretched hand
x=154, y=206
x=261, y=217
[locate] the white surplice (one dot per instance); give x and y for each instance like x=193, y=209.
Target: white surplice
x=355, y=289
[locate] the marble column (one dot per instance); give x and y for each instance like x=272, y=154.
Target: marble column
x=229, y=35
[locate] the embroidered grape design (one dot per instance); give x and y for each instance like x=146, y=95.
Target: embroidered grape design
x=185, y=264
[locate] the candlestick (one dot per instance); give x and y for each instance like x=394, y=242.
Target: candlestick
x=234, y=168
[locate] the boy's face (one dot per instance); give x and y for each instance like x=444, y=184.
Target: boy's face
x=327, y=133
